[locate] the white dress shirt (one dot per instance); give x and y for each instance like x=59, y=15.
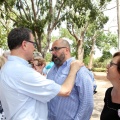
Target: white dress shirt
x=24, y=93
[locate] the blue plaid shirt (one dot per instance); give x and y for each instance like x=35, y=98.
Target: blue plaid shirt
x=79, y=105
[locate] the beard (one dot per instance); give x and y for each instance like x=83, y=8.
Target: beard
x=58, y=60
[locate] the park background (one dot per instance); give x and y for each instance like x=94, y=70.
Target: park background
x=91, y=26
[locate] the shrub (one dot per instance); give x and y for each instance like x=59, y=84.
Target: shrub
x=99, y=69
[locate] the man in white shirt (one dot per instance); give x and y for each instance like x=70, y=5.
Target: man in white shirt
x=24, y=92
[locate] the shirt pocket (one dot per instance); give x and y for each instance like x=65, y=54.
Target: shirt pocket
x=61, y=77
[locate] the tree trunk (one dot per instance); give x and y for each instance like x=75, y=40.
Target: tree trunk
x=92, y=51
x=80, y=50
x=118, y=21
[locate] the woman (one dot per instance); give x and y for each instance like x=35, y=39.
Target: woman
x=111, y=110
x=38, y=64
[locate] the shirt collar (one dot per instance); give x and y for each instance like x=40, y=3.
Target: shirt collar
x=19, y=59
x=68, y=61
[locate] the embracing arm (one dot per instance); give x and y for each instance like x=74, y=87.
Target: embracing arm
x=85, y=90
x=69, y=82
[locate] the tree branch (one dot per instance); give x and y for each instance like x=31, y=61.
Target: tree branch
x=56, y=21
x=73, y=33
x=27, y=7
x=33, y=8
x=10, y=9
x=50, y=12
x=24, y=10
x=109, y=9
x=3, y=25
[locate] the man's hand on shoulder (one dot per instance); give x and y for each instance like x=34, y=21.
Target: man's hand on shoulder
x=76, y=65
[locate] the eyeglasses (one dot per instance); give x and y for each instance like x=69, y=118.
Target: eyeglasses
x=34, y=43
x=111, y=64
x=56, y=48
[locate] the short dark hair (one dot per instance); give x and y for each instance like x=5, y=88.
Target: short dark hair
x=17, y=36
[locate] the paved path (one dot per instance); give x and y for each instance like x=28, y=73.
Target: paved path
x=102, y=85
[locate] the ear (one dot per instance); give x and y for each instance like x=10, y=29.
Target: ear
x=24, y=45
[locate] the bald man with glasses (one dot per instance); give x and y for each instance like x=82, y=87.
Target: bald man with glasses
x=79, y=105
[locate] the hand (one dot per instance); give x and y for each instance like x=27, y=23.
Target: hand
x=40, y=70
x=76, y=65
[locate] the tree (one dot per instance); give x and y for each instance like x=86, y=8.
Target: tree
x=106, y=55
x=5, y=25
x=99, y=40
x=79, y=23
x=42, y=17
x=38, y=15
x=3, y=37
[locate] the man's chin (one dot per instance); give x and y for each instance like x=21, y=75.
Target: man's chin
x=55, y=59
x=30, y=59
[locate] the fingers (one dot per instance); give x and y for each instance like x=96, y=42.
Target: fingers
x=76, y=65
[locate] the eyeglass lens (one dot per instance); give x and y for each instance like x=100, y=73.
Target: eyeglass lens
x=56, y=48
